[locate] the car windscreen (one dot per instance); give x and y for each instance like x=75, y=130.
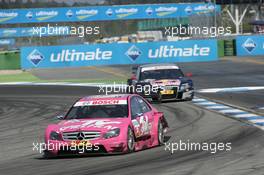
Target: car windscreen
x=98, y=111
x=161, y=74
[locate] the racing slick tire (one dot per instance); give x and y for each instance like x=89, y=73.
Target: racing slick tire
x=189, y=98
x=160, y=133
x=130, y=141
x=157, y=99
x=47, y=155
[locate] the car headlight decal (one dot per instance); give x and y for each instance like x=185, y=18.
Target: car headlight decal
x=54, y=135
x=112, y=133
x=184, y=86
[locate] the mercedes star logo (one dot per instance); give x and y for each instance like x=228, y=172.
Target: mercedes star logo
x=80, y=136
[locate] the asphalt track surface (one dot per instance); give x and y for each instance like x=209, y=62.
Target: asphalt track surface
x=228, y=72
x=25, y=111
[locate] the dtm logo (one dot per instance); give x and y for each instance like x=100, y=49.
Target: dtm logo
x=133, y=52
x=35, y=57
x=249, y=45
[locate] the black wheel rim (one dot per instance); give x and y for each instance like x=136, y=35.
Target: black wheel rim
x=130, y=140
x=160, y=133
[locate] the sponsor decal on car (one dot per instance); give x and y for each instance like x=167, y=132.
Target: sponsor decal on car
x=141, y=126
x=80, y=143
x=168, y=82
x=100, y=102
x=158, y=68
x=106, y=124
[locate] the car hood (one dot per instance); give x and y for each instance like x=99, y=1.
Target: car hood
x=91, y=124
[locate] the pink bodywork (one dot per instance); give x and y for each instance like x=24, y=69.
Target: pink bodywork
x=103, y=125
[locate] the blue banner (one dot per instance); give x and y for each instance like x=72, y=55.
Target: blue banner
x=250, y=45
x=7, y=42
x=103, y=13
x=118, y=53
x=32, y=32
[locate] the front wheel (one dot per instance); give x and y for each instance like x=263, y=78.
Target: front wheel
x=130, y=140
x=158, y=99
x=160, y=133
x=47, y=155
x=190, y=98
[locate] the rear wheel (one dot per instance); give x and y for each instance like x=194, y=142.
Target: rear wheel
x=160, y=133
x=130, y=140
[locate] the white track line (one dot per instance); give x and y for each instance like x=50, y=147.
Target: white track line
x=257, y=120
x=245, y=115
x=218, y=107
x=231, y=89
x=231, y=111
x=207, y=103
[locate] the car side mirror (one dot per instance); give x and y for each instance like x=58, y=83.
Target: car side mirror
x=133, y=77
x=139, y=114
x=188, y=74
x=59, y=117
x=158, y=113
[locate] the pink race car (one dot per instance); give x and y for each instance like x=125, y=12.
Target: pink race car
x=106, y=124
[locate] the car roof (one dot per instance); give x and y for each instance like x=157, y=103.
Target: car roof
x=163, y=66
x=106, y=97
x=156, y=65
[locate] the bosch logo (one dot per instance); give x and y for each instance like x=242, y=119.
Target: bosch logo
x=133, y=52
x=35, y=57
x=249, y=45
